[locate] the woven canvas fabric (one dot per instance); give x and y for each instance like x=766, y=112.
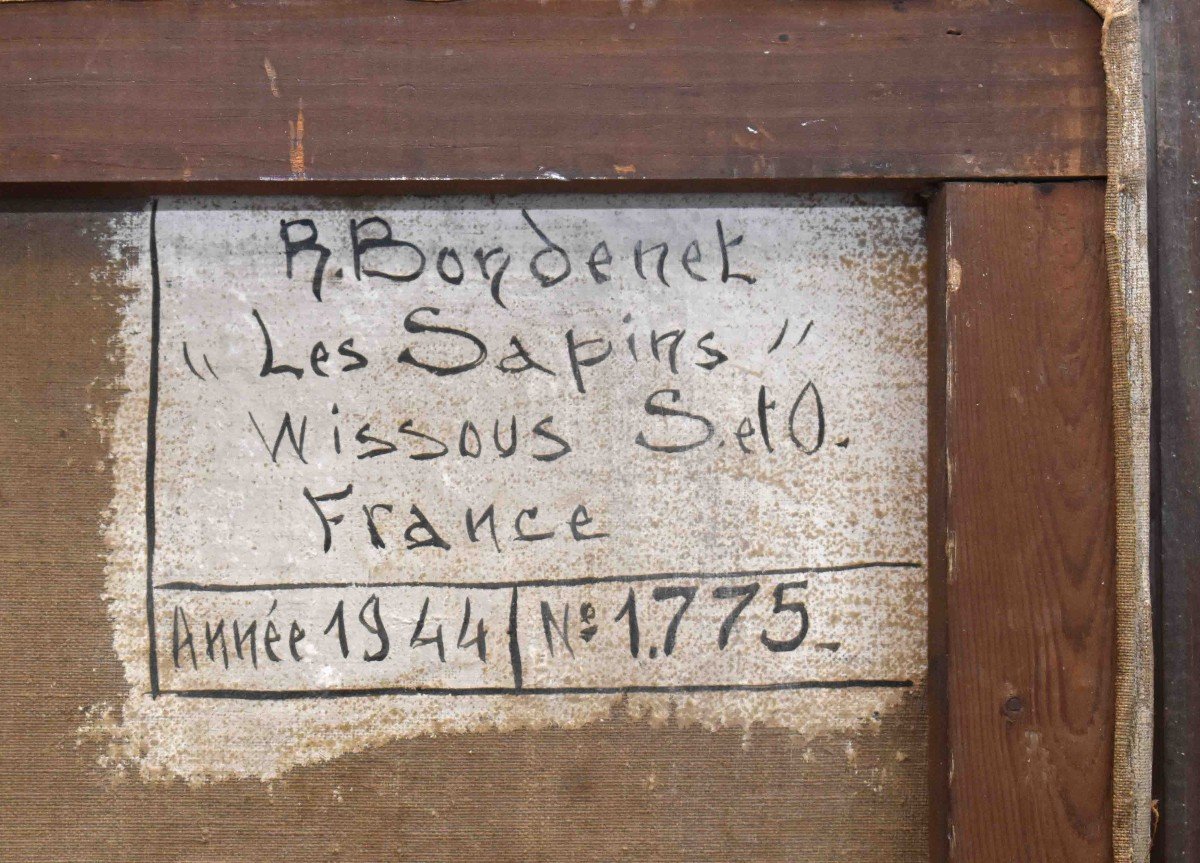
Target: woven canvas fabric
x=1129, y=291
x=1126, y=250
x=1128, y=279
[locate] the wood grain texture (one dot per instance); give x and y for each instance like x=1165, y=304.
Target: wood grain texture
x=340, y=90
x=1172, y=60
x=938, y=636
x=1031, y=524
x=621, y=790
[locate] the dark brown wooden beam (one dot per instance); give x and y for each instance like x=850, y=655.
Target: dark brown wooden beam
x=345, y=90
x=1172, y=60
x=1029, y=522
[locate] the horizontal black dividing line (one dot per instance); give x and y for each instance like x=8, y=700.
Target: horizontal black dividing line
x=199, y=587
x=678, y=689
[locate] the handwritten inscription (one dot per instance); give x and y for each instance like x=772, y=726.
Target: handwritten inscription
x=535, y=447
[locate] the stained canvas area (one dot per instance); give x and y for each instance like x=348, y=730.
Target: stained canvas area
x=390, y=468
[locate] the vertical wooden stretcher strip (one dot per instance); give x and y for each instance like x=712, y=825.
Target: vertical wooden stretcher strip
x=1023, y=600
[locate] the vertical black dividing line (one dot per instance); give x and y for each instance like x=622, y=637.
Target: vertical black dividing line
x=514, y=646
x=151, y=447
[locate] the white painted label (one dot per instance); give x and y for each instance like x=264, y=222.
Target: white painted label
x=508, y=460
